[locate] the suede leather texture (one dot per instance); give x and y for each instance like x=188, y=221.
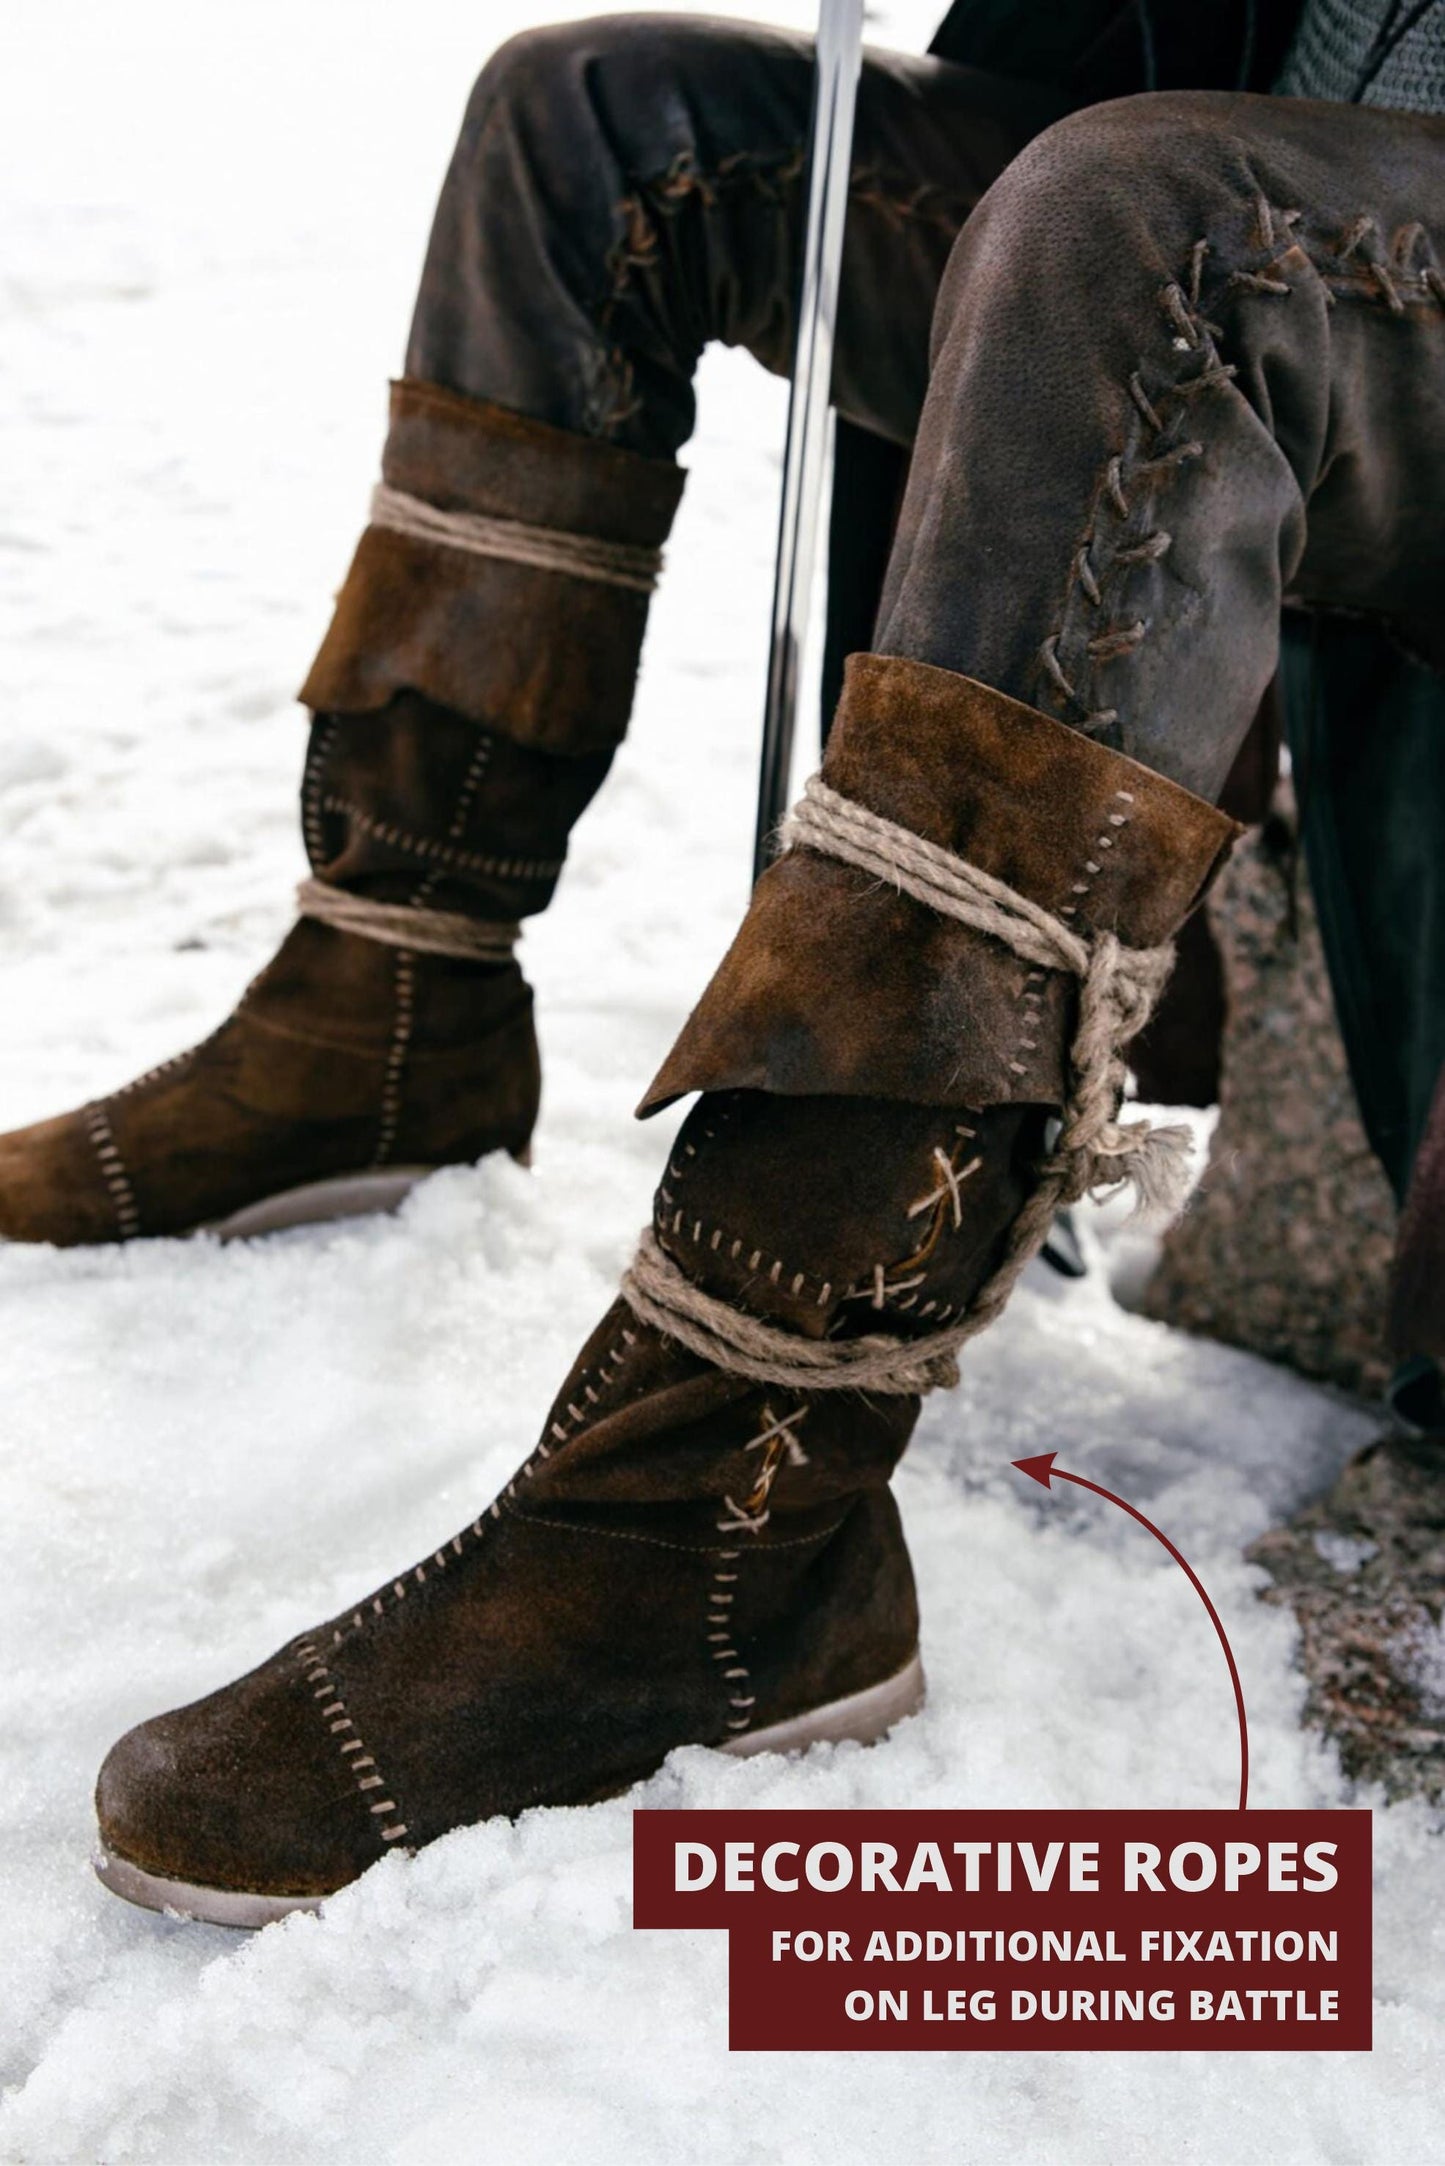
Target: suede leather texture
x=556, y=1649
x=687, y=1555
x=343, y=1056
x=346, y=1055
x=546, y=657
x=836, y=983
x=416, y=803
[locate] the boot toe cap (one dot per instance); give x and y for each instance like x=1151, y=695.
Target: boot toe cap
x=247, y=1791
x=53, y=1188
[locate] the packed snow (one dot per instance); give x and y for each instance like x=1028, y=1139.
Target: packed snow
x=209, y=221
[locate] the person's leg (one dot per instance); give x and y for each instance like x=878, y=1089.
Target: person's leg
x=1186, y=397
x=624, y=191
x=1157, y=412
x=1153, y=409
x=627, y=190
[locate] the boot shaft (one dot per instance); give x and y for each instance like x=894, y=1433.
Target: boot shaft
x=478, y=672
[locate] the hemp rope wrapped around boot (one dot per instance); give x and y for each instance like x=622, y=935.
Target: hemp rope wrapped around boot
x=1118, y=987
x=548, y=549
x=405, y=925
x=631, y=566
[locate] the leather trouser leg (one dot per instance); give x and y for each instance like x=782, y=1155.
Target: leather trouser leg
x=1155, y=414
x=628, y=189
x=1158, y=411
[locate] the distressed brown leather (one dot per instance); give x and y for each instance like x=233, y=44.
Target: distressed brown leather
x=414, y=803
x=343, y=1056
x=346, y=1055
x=556, y=1649
x=628, y=188
x=837, y=984
x=832, y=1216
x=548, y=658
x=687, y=1555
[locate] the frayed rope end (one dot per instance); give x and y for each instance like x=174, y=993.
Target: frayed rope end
x=1156, y=1161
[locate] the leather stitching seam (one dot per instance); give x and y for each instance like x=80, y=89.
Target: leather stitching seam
x=1355, y=265
x=113, y=1170
x=767, y=175
x=380, y=1603
x=449, y=859
x=404, y=1020
x=362, y=1769
x=651, y=1541
x=879, y=1285
x=312, y=785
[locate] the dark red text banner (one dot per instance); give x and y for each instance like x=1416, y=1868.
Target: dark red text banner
x=998, y=1931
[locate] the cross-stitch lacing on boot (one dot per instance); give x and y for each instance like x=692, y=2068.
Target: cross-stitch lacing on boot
x=1118, y=988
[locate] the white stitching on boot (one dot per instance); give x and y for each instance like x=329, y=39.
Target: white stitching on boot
x=311, y=787
x=338, y=1721
x=405, y=1016
x=778, y=1443
x=403, y=1020
x=112, y=1166
x=400, y=838
x=741, y=1703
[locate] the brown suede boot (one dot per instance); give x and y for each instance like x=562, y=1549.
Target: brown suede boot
x=703, y=1548
x=468, y=698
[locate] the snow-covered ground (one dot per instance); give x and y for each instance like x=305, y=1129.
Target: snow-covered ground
x=208, y=224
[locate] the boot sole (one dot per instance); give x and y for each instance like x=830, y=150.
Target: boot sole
x=187, y=1899
x=317, y=1203
x=860, y=1718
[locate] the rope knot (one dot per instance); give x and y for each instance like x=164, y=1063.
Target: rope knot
x=1118, y=987
x=1116, y=998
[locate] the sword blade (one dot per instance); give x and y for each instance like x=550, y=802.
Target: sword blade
x=830, y=143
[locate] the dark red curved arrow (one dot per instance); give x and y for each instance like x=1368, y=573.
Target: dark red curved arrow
x=1041, y=1469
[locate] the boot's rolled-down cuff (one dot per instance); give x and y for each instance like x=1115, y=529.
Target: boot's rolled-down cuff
x=840, y=985
x=546, y=653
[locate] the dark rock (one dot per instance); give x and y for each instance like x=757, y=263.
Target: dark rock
x=1286, y=1247
x=1364, y=1570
